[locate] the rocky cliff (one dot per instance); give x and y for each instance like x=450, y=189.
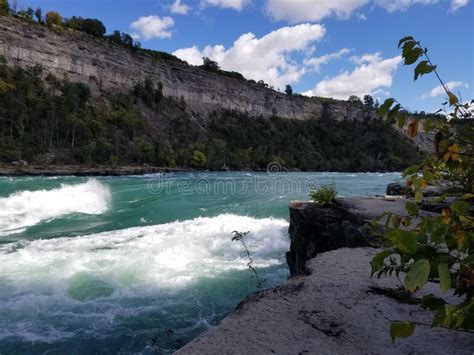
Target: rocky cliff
x=106, y=66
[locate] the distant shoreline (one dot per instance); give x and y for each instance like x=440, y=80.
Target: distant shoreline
x=126, y=170
x=84, y=170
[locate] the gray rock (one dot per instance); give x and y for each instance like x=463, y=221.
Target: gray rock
x=397, y=189
x=334, y=310
x=315, y=230
x=106, y=66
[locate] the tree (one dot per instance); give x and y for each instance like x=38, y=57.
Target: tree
x=199, y=159
x=355, y=99
x=209, y=65
x=369, y=101
x=39, y=15
x=288, y=90
x=26, y=14
x=53, y=19
x=5, y=8
x=93, y=27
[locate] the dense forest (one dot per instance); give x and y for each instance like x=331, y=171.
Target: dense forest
x=44, y=120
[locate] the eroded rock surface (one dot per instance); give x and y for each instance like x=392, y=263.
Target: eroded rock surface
x=334, y=310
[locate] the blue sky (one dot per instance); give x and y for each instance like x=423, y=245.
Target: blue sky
x=328, y=48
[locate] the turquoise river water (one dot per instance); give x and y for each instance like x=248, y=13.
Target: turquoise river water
x=141, y=264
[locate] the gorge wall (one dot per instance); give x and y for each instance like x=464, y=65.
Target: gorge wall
x=106, y=66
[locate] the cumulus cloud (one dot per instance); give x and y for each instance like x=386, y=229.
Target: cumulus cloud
x=316, y=62
x=315, y=10
x=149, y=27
x=439, y=90
x=179, y=8
x=372, y=75
x=230, y=4
x=311, y=10
x=266, y=58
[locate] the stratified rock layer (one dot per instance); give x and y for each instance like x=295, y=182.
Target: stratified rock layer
x=106, y=66
x=337, y=309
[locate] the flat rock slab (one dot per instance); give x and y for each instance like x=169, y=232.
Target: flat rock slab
x=334, y=310
x=368, y=208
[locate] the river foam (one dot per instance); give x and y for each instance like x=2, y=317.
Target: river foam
x=67, y=287
x=27, y=208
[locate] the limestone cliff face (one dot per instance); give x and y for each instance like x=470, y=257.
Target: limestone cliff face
x=105, y=66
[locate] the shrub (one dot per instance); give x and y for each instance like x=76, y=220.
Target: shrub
x=324, y=195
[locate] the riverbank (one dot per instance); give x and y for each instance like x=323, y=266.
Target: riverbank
x=107, y=170
x=83, y=170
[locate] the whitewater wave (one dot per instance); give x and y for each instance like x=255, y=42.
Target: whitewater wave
x=73, y=285
x=26, y=208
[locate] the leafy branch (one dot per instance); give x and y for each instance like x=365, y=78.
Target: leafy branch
x=435, y=248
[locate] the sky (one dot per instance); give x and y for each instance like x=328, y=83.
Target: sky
x=331, y=48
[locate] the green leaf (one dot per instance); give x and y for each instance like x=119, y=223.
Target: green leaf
x=467, y=196
x=385, y=107
x=408, y=47
x=412, y=56
x=401, y=330
x=418, y=197
x=402, y=119
x=412, y=208
x=403, y=240
x=394, y=110
x=411, y=170
x=444, y=277
x=378, y=260
x=418, y=275
x=460, y=206
x=453, y=99
x=405, y=39
x=432, y=303
x=427, y=175
x=439, y=234
x=423, y=68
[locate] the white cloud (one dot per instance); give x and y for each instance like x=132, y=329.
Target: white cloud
x=266, y=58
x=179, y=8
x=315, y=10
x=316, y=62
x=457, y=4
x=230, y=4
x=401, y=5
x=311, y=10
x=372, y=75
x=439, y=90
x=148, y=27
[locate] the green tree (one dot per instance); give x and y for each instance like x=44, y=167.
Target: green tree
x=199, y=159
x=369, y=101
x=209, y=65
x=435, y=247
x=93, y=27
x=5, y=8
x=39, y=15
x=288, y=90
x=355, y=99
x=53, y=19
x=26, y=14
